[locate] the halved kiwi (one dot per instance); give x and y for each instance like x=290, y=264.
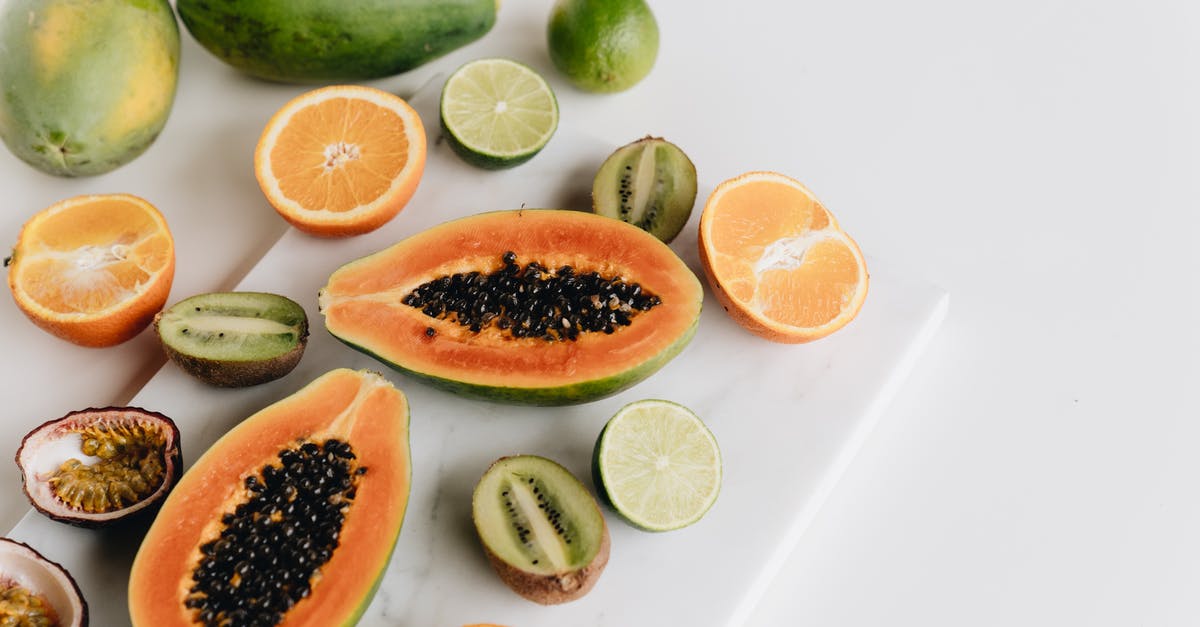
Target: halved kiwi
x=234, y=339
x=541, y=529
x=650, y=184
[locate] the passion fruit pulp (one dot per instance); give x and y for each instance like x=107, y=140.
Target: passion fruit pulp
x=36, y=591
x=96, y=466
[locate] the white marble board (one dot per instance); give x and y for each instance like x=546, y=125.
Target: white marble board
x=789, y=418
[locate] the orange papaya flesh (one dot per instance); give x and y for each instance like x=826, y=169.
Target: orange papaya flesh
x=359, y=408
x=362, y=305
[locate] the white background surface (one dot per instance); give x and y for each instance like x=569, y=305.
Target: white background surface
x=1035, y=158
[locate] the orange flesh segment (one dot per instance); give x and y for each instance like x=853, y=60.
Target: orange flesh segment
x=815, y=292
x=780, y=255
x=754, y=216
x=339, y=154
x=93, y=256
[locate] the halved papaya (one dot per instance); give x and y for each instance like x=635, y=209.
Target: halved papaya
x=290, y=518
x=534, y=306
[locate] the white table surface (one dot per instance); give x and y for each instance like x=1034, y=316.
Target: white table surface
x=1039, y=160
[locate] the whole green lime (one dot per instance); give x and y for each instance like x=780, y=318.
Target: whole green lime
x=603, y=45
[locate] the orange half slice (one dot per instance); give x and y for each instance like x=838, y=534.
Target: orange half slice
x=341, y=160
x=777, y=259
x=93, y=270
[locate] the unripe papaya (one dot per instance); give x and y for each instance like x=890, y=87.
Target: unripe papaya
x=302, y=41
x=87, y=84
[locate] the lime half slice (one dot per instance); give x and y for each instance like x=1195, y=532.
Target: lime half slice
x=497, y=113
x=657, y=465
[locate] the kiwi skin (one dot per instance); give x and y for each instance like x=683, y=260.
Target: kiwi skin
x=228, y=374
x=553, y=589
x=235, y=374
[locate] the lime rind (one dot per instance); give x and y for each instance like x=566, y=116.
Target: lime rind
x=497, y=113
x=657, y=465
x=603, y=47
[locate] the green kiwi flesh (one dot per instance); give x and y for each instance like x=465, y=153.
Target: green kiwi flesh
x=234, y=339
x=541, y=529
x=650, y=183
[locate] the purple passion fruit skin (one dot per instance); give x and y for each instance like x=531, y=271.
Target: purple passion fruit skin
x=97, y=466
x=33, y=586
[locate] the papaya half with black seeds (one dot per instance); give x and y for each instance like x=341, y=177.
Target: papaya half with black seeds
x=291, y=517
x=532, y=306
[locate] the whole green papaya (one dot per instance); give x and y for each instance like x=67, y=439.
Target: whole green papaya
x=333, y=40
x=87, y=85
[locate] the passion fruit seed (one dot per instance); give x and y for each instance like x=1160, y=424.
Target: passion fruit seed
x=130, y=468
x=20, y=607
x=273, y=543
x=533, y=301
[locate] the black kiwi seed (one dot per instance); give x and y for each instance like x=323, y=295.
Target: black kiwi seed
x=649, y=183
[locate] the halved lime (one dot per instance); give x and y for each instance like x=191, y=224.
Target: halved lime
x=497, y=113
x=657, y=465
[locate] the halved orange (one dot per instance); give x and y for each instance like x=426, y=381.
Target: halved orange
x=93, y=270
x=341, y=160
x=778, y=261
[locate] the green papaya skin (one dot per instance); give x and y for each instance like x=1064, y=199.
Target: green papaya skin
x=306, y=41
x=87, y=85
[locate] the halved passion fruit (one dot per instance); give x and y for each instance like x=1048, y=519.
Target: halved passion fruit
x=96, y=466
x=35, y=591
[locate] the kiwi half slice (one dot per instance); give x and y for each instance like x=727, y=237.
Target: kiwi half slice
x=650, y=184
x=541, y=529
x=234, y=339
